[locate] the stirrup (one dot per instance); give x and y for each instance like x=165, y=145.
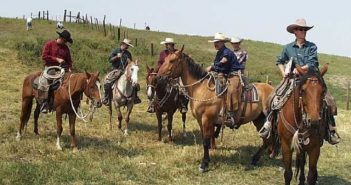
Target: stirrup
x=151, y=109
x=334, y=138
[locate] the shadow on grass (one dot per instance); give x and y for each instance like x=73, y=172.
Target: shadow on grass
x=242, y=156
x=335, y=180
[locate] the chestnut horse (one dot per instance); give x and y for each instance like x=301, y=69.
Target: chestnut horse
x=123, y=94
x=204, y=103
x=66, y=101
x=166, y=100
x=300, y=127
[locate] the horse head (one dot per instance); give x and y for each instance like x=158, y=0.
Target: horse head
x=92, y=90
x=150, y=82
x=132, y=72
x=312, y=91
x=172, y=65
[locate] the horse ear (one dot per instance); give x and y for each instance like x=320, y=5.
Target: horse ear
x=324, y=69
x=97, y=73
x=181, y=50
x=88, y=74
x=136, y=62
x=128, y=61
x=301, y=70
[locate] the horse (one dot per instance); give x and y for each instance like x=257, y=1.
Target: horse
x=300, y=127
x=205, y=104
x=66, y=101
x=166, y=101
x=123, y=94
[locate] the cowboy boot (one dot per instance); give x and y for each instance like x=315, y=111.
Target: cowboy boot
x=151, y=108
x=333, y=136
x=265, y=131
x=230, y=121
x=43, y=101
x=107, y=94
x=137, y=100
x=183, y=103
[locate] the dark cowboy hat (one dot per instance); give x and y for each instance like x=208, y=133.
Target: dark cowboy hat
x=65, y=35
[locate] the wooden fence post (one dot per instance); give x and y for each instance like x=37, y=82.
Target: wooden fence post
x=134, y=25
x=136, y=42
x=119, y=33
x=47, y=15
x=70, y=16
x=348, y=96
x=267, y=79
x=91, y=22
x=43, y=15
x=78, y=18
x=103, y=23
x=64, y=16
x=120, y=22
x=39, y=15
x=152, y=49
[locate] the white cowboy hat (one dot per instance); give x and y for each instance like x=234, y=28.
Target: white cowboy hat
x=298, y=23
x=168, y=41
x=219, y=37
x=128, y=42
x=235, y=40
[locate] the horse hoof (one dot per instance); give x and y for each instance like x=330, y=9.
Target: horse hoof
x=59, y=148
x=18, y=138
x=75, y=150
x=249, y=167
x=202, y=169
x=125, y=132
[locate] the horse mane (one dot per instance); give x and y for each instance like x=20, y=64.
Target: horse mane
x=195, y=69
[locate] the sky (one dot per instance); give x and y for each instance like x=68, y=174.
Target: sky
x=260, y=20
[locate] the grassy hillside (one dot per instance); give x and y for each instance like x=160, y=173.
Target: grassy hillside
x=108, y=157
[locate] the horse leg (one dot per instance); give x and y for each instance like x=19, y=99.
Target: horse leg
x=206, y=144
x=159, y=124
x=287, y=157
x=72, y=130
x=313, y=156
x=110, y=115
x=258, y=154
x=300, y=166
x=129, y=111
x=169, y=126
x=59, y=129
x=36, y=117
x=183, y=120
x=119, y=117
x=25, y=114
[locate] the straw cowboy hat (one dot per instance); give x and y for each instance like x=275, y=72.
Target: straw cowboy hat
x=235, y=40
x=299, y=23
x=128, y=42
x=168, y=41
x=219, y=37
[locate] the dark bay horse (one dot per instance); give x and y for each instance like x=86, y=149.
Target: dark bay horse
x=300, y=127
x=204, y=103
x=123, y=94
x=66, y=101
x=166, y=101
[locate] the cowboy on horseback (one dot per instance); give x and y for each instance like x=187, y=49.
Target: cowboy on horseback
x=55, y=53
x=119, y=60
x=225, y=64
x=303, y=53
x=169, y=48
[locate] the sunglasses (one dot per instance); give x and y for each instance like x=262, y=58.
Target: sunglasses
x=301, y=29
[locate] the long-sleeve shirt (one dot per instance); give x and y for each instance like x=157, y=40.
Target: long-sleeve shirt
x=122, y=62
x=306, y=55
x=242, y=57
x=231, y=64
x=163, y=55
x=53, y=50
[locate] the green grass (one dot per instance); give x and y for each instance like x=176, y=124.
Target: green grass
x=109, y=157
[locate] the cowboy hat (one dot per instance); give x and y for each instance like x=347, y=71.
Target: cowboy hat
x=168, y=41
x=128, y=42
x=235, y=40
x=219, y=37
x=299, y=23
x=65, y=35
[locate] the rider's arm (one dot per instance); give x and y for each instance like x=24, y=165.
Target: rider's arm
x=282, y=60
x=114, y=56
x=224, y=60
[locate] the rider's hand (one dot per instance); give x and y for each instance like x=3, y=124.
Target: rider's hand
x=119, y=55
x=295, y=71
x=60, y=60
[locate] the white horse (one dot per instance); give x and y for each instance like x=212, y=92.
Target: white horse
x=29, y=23
x=59, y=25
x=123, y=94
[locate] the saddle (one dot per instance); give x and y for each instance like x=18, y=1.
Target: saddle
x=250, y=94
x=282, y=93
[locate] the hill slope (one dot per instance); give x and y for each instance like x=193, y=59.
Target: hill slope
x=108, y=157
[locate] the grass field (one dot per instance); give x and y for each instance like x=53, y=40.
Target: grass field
x=109, y=157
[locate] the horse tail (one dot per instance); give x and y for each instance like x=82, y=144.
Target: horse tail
x=295, y=145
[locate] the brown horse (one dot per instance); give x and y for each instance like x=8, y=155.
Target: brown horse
x=300, y=127
x=166, y=101
x=204, y=103
x=66, y=101
x=123, y=94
